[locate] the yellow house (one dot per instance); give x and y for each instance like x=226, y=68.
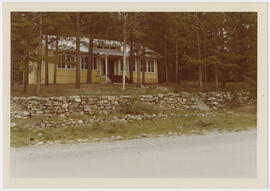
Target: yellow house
x=107, y=63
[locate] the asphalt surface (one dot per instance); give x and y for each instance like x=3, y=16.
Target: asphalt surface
x=227, y=155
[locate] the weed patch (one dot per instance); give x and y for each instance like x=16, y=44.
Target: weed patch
x=186, y=123
x=138, y=108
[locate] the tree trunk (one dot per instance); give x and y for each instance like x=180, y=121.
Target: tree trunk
x=166, y=61
x=25, y=76
x=77, y=85
x=176, y=61
x=199, y=53
x=205, y=76
x=90, y=58
x=222, y=79
x=138, y=73
x=26, y=73
x=216, y=76
x=131, y=62
x=40, y=56
x=124, y=52
x=205, y=61
x=57, y=60
x=143, y=66
x=223, y=85
x=46, y=61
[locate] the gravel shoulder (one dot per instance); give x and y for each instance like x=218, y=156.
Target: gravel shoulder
x=227, y=155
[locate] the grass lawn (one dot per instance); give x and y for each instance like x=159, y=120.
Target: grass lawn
x=86, y=89
x=182, y=123
x=116, y=89
x=29, y=132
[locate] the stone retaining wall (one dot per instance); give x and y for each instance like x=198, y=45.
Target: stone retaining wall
x=50, y=106
x=217, y=100
x=84, y=105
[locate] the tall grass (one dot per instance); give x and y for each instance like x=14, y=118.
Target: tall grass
x=137, y=108
x=183, y=123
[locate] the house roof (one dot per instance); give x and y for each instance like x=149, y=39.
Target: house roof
x=69, y=43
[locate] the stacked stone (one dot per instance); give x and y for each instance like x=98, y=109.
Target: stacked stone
x=88, y=122
x=217, y=100
x=84, y=105
x=170, y=101
x=245, y=97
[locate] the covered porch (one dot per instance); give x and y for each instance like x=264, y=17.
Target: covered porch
x=111, y=68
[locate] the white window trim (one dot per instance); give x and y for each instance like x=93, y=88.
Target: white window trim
x=74, y=65
x=66, y=68
x=81, y=62
x=87, y=63
x=154, y=63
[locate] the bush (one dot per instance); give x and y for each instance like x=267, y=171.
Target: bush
x=138, y=108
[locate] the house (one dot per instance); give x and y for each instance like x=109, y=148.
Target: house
x=107, y=63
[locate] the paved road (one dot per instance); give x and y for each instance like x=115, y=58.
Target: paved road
x=225, y=155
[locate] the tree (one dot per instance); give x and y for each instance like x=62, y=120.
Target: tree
x=40, y=55
x=124, y=49
x=46, y=61
x=24, y=42
x=77, y=85
x=56, y=25
x=199, y=52
x=143, y=65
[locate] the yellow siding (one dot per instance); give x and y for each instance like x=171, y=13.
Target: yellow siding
x=67, y=76
x=150, y=77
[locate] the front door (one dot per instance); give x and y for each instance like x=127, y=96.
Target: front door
x=110, y=66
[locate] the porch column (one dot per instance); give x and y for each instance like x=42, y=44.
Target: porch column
x=100, y=62
x=119, y=66
x=106, y=65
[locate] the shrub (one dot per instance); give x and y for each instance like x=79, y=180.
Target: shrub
x=138, y=108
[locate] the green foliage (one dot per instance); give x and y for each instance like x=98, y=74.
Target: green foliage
x=227, y=40
x=24, y=134
x=138, y=108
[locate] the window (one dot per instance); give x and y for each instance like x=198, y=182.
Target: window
x=94, y=63
x=113, y=47
x=70, y=61
x=84, y=62
x=62, y=60
x=66, y=61
x=150, y=66
x=106, y=47
x=142, y=66
x=99, y=47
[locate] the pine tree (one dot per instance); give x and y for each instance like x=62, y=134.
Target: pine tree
x=40, y=55
x=24, y=42
x=77, y=85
